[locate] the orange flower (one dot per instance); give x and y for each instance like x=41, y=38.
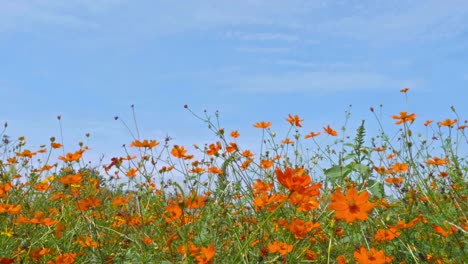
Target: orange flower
x=304, y=202
x=266, y=164
x=404, y=117
x=371, y=256
x=262, y=187
x=69, y=157
x=90, y=202
x=173, y=212
x=352, y=206
x=448, y=122
x=146, y=240
x=312, y=134
x=386, y=234
x=404, y=90
x=231, y=147
x=215, y=170
x=205, y=254
x=235, y=134
x=398, y=168
x=294, y=120
x=310, y=254
x=178, y=151
x=247, y=154
x=280, y=247
x=262, y=124
x=341, y=259
x=87, y=242
x=437, y=161
x=71, y=179
x=394, y=180
x=287, y=141
x=300, y=228
x=330, y=131
x=4, y=188
x=131, y=173
x=10, y=208
x=56, y=145
x=428, y=122
x=67, y=258
x=38, y=254
x=26, y=154
x=380, y=170
x=213, y=149
x=144, y=144
x=296, y=180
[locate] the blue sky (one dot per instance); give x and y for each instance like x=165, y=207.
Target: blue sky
x=89, y=60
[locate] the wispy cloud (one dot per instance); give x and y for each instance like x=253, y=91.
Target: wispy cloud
x=31, y=15
x=369, y=21
x=261, y=36
x=254, y=49
x=310, y=82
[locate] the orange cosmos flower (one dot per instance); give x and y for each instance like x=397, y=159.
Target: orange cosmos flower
x=312, y=134
x=71, y=179
x=280, y=247
x=394, y=180
x=56, y=145
x=386, y=234
x=26, y=154
x=404, y=117
x=178, y=151
x=428, y=122
x=352, y=206
x=131, y=173
x=231, y=147
x=247, y=154
x=262, y=124
x=437, y=161
x=330, y=131
x=371, y=256
x=287, y=141
x=213, y=149
x=67, y=258
x=235, y=134
x=301, y=228
x=266, y=164
x=173, y=212
x=404, y=90
x=87, y=242
x=69, y=157
x=205, y=254
x=399, y=168
x=38, y=254
x=294, y=120
x=380, y=170
x=448, y=122
x=296, y=180
x=262, y=187
x=10, y=208
x=146, y=240
x=215, y=170
x=4, y=188
x=443, y=174
x=144, y=144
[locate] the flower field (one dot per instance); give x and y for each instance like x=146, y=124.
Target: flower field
x=398, y=198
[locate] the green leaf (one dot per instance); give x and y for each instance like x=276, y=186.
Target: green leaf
x=376, y=188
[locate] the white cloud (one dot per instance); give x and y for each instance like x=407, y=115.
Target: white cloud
x=261, y=36
x=263, y=49
x=321, y=81
x=294, y=20
x=31, y=15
